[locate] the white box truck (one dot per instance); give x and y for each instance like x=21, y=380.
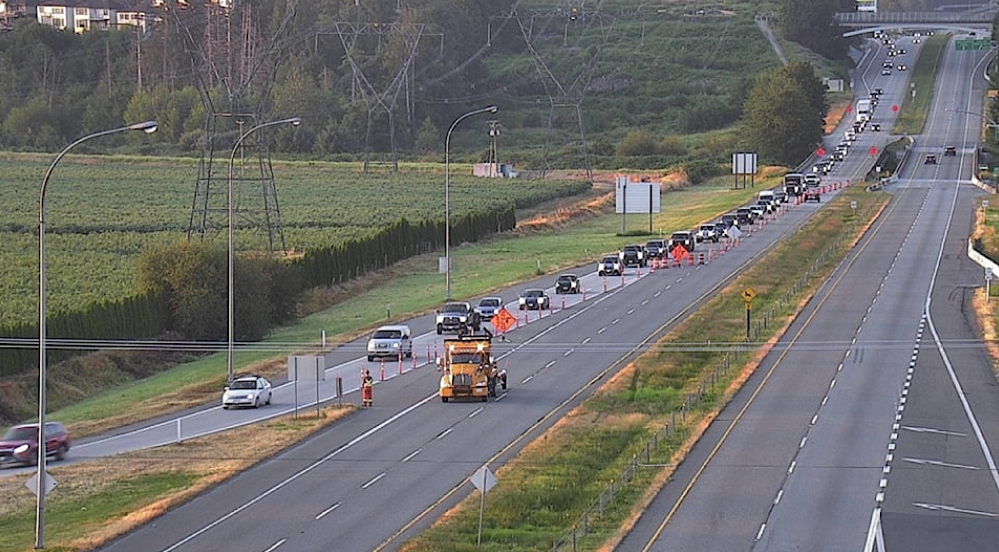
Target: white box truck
x=863, y=111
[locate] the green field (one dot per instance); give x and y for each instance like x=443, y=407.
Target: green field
x=102, y=212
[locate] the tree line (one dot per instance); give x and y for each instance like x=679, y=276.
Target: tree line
x=335, y=63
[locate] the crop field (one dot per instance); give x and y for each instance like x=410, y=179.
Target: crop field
x=102, y=212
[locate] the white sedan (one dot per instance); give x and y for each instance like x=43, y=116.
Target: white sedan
x=247, y=391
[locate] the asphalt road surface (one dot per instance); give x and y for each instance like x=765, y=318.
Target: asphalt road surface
x=387, y=472
x=857, y=432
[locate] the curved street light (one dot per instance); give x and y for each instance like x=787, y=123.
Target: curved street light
x=232, y=329
x=447, y=193
x=148, y=127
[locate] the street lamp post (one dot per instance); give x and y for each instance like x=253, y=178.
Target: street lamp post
x=148, y=127
x=232, y=255
x=447, y=193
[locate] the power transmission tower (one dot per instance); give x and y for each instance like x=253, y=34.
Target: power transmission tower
x=366, y=47
x=567, y=18
x=234, y=67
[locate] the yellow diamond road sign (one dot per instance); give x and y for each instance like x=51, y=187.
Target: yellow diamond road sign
x=748, y=294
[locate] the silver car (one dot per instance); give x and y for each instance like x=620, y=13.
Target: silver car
x=488, y=307
x=390, y=341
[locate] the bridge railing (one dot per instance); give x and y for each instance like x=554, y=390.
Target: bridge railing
x=867, y=18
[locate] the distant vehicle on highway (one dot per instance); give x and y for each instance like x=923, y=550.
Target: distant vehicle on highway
x=252, y=391
x=390, y=341
x=20, y=444
x=609, y=266
x=488, y=307
x=655, y=249
x=684, y=238
x=930, y=160
x=950, y=151
x=707, y=232
x=534, y=299
x=633, y=255
x=567, y=283
x=457, y=317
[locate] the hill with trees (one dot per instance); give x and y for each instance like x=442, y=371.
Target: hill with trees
x=606, y=84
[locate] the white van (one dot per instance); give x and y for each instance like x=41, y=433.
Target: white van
x=767, y=195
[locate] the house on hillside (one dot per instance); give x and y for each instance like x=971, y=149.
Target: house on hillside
x=11, y=10
x=95, y=15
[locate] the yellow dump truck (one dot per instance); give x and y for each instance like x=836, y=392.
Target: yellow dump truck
x=469, y=369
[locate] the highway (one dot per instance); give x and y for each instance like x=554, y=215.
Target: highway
x=858, y=431
x=380, y=476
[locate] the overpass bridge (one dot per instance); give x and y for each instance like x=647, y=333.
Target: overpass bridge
x=970, y=21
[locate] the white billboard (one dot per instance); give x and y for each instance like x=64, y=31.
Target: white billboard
x=744, y=163
x=637, y=197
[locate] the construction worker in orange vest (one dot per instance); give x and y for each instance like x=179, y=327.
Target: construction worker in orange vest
x=367, y=385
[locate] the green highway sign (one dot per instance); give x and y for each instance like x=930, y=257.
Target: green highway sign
x=972, y=44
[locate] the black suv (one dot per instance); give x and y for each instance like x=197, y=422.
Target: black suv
x=655, y=249
x=745, y=215
x=567, y=283
x=632, y=255
x=728, y=220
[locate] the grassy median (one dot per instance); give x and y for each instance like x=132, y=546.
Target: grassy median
x=916, y=101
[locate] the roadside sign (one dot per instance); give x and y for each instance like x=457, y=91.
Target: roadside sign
x=748, y=295
x=32, y=483
x=874, y=150
x=679, y=252
x=503, y=320
x=483, y=479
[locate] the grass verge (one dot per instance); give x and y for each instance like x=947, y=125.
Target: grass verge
x=570, y=478
x=916, y=105
x=100, y=500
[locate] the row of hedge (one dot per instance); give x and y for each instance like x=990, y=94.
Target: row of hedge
x=136, y=317
x=149, y=314
x=341, y=262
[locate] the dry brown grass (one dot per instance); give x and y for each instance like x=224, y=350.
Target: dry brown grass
x=211, y=460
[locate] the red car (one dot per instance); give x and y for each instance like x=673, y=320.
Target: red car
x=20, y=444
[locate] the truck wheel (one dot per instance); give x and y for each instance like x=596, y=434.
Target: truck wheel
x=483, y=399
x=371, y=358
x=443, y=399
x=440, y=330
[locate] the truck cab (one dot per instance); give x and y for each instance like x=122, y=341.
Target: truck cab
x=469, y=369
